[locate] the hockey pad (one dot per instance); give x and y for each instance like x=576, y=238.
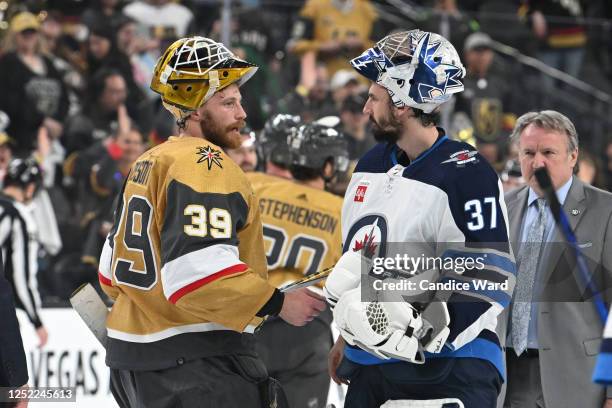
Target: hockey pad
x=345, y=276
x=437, y=403
x=436, y=320
x=385, y=329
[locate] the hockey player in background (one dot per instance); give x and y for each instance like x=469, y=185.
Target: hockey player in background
x=245, y=156
x=301, y=228
x=418, y=186
x=184, y=260
x=18, y=239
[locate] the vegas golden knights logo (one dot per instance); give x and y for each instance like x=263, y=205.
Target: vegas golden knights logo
x=487, y=118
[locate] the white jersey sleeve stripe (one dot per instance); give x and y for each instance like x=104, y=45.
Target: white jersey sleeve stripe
x=178, y=274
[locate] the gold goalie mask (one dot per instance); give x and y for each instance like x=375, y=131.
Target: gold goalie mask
x=192, y=70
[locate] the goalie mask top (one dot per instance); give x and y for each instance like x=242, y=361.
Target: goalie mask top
x=192, y=70
x=419, y=69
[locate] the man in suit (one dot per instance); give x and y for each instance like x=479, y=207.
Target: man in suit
x=13, y=368
x=554, y=331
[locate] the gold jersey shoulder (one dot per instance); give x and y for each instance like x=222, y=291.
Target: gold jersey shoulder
x=302, y=233
x=259, y=179
x=195, y=162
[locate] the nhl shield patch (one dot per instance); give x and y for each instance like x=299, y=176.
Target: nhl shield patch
x=462, y=157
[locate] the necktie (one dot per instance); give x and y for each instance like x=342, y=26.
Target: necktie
x=529, y=255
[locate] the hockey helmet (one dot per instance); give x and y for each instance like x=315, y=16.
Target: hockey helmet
x=192, y=69
x=418, y=68
x=313, y=144
x=22, y=172
x=274, y=138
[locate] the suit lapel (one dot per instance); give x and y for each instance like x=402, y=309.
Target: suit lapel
x=574, y=208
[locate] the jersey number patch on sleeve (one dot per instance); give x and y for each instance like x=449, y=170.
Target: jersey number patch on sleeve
x=474, y=208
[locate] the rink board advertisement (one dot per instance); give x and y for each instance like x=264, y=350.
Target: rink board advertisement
x=71, y=358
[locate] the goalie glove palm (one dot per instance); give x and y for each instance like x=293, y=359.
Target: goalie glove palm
x=385, y=329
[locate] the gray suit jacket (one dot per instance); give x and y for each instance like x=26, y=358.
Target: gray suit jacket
x=569, y=328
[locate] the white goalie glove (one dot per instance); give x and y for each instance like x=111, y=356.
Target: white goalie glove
x=345, y=276
x=392, y=329
x=385, y=329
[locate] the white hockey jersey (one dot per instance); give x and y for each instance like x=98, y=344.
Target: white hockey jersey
x=448, y=194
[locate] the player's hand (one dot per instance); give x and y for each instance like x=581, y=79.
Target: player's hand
x=301, y=306
x=43, y=336
x=608, y=403
x=334, y=359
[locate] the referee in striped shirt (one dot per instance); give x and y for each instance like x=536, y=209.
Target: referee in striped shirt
x=18, y=238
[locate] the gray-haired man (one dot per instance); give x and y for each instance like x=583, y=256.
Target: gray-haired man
x=554, y=331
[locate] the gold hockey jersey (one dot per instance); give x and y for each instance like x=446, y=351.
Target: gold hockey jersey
x=302, y=233
x=186, y=252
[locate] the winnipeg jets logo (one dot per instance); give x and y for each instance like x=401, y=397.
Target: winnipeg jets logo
x=462, y=157
x=367, y=244
x=447, y=75
x=210, y=156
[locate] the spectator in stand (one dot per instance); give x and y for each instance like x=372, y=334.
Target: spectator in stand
x=343, y=84
x=52, y=48
x=140, y=51
x=105, y=181
x=336, y=30
x=487, y=100
x=312, y=103
x=446, y=18
x=557, y=25
x=164, y=19
x=107, y=93
x=6, y=145
x=103, y=53
x=355, y=127
x=101, y=10
x=33, y=93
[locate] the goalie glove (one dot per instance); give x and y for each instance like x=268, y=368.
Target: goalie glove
x=435, y=329
x=345, y=276
x=385, y=329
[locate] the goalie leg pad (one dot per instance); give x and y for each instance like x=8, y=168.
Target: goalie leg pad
x=438, y=403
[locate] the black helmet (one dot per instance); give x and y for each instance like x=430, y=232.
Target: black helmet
x=313, y=144
x=21, y=172
x=274, y=138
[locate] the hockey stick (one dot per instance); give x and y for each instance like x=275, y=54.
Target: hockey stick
x=545, y=183
x=91, y=308
x=306, y=281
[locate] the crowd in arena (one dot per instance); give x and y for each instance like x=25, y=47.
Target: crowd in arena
x=75, y=90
